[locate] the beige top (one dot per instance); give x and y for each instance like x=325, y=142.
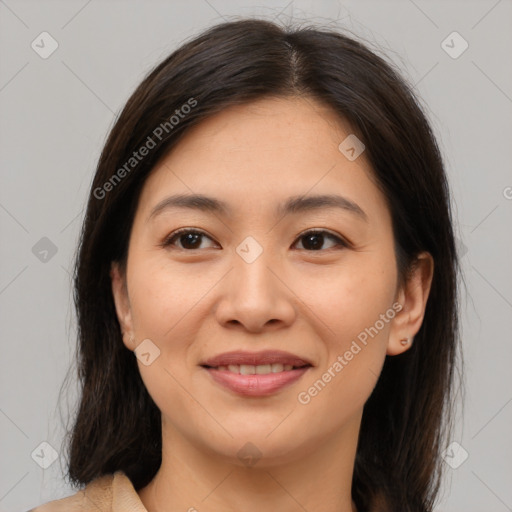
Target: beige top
x=110, y=493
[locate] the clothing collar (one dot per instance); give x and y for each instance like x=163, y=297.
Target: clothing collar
x=124, y=496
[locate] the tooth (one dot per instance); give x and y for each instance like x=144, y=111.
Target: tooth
x=263, y=369
x=247, y=369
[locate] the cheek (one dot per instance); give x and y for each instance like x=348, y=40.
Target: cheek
x=161, y=297
x=349, y=298
x=356, y=313
x=353, y=311
x=168, y=304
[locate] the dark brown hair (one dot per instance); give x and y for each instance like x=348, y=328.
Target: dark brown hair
x=409, y=414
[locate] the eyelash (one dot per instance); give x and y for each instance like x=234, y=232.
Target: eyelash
x=339, y=241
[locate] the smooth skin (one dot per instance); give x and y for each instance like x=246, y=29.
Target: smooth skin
x=197, y=301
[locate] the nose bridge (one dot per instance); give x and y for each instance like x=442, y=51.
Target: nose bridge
x=251, y=274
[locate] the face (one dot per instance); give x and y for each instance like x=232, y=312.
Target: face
x=315, y=281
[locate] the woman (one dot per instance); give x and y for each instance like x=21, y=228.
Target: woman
x=266, y=286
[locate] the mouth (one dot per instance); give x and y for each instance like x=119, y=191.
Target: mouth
x=261, y=369
x=256, y=374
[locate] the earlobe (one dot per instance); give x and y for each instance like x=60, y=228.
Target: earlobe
x=405, y=342
x=122, y=304
x=413, y=298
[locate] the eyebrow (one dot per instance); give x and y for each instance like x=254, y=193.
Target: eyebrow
x=294, y=204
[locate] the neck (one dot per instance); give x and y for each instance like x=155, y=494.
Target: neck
x=193, y=478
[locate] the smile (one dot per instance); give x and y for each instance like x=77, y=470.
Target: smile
x=261, y=369
x=256, y=381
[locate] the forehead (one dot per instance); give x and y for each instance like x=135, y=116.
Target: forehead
x=270, y=125
x=274, y=148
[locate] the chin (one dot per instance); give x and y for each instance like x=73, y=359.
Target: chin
x=256, y=448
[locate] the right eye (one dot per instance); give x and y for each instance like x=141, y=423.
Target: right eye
x=190, y=239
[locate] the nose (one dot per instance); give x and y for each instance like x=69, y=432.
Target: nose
x=255, y=296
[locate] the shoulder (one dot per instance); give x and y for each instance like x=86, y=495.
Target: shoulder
x=95, y=497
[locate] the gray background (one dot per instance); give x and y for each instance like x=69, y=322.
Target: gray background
x=56, y=112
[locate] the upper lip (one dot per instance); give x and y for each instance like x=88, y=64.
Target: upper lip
x=239, y=357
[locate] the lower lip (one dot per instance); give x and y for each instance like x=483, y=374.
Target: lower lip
x=256, y=385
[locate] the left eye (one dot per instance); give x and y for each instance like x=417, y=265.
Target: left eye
x=315, y=239
x=190, y=239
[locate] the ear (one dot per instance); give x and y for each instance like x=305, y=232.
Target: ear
x=122, y=304
x=412, y=296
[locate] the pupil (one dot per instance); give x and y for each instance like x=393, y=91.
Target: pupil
x=318, y=237
x=190, y=238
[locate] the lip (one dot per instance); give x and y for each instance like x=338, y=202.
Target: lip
x=239, y=357
x=256, y=384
